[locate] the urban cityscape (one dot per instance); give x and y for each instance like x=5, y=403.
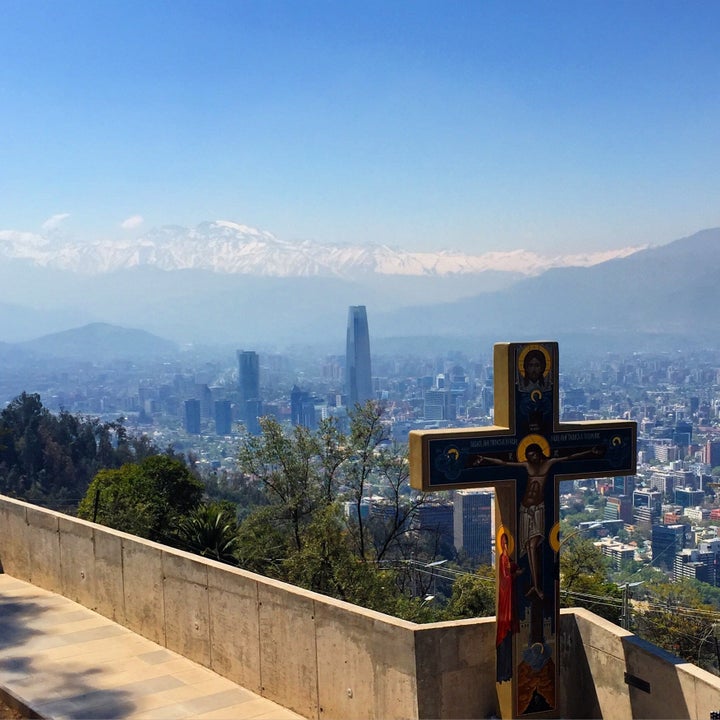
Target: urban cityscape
x=664, y=517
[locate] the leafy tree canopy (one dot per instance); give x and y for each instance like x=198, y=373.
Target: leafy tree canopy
x=473, y=595
x=51, y=459
x=584, y=580
x=316, y=530
x=147, y=499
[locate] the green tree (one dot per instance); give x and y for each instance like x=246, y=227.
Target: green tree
x=304, y=536
x=285, y=464
x=244, y=493
x=473, y=595
x=51, y=458
x=392, y=531
x=327, y=564
x=584, y=580
x=263, y=543
x=367, y=433
x=147, y=499
x=674, y=617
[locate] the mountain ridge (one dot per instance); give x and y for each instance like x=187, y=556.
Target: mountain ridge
x=227, y=247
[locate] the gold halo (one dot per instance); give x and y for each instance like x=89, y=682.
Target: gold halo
x=536, y=395
x=529, y=440
x=554, y=537
x=511, y=541
x=454, y=452
x=617, y=440
x=526, y=350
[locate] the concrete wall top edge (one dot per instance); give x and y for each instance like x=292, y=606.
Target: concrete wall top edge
x=699, y=673
x=420, y=627
x=583, y=614
x=651, y=649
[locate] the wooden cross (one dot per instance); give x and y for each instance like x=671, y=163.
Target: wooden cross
x=524, y=456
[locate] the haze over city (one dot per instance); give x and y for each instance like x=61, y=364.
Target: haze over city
x=550, y=127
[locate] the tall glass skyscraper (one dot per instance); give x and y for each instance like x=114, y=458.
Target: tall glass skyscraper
x=192, y=417
x=358, y=377
x=249, y=387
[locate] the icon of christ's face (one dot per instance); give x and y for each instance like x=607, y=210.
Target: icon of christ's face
x=533, y=369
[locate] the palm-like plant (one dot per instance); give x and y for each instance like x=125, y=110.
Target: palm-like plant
x=211, y=531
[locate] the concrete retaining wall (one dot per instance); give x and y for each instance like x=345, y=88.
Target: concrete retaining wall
x=609, y=672
x=320, y=657
x=324, y=658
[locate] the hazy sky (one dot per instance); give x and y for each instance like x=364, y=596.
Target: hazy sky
x=549, y=126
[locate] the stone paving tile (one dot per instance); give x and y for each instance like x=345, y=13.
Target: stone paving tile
x=175, y=711
x=156, y=656
x=198, y=674
x=213, y=701
x=131, y=670
x=250, y=710
x=75, y=650
x=169, y=697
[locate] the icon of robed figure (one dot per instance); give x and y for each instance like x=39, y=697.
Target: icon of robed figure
x=506, y=621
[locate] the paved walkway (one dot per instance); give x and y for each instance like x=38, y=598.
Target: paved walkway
x=65, y=661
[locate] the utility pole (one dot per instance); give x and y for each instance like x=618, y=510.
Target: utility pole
x=625, y=617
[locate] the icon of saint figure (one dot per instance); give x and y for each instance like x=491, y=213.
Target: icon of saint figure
x=507, y=622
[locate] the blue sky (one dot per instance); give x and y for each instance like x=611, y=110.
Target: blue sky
x=476, y=126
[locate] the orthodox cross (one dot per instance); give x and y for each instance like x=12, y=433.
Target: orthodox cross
x=524, y=455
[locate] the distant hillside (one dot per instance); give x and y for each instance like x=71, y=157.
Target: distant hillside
x=100, y=341
x=667, y=290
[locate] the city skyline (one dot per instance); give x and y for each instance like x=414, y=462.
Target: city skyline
x=471, y=126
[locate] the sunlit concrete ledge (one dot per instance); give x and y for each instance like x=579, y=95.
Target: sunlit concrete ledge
x=323, y=658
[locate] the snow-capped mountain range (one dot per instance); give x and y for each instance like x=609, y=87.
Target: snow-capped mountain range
x=231, y=248
x=237, y=286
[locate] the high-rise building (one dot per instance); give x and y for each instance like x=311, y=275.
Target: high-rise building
x=712, y=453
x=249, y=388
x=647, y=505
x=618, y=552
x=203, y=393
x=305, y=409
x=664, y=481
x=667, y=541
x=358, y=376
x=439, y=405
x=687, y=497
x=619, y=507
x=695, y=564
x=472, y=523
x=682, y=433
x=624, y=485
x=223, y=417
x=437, y=518
x=248, y=375
x=192, y=417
